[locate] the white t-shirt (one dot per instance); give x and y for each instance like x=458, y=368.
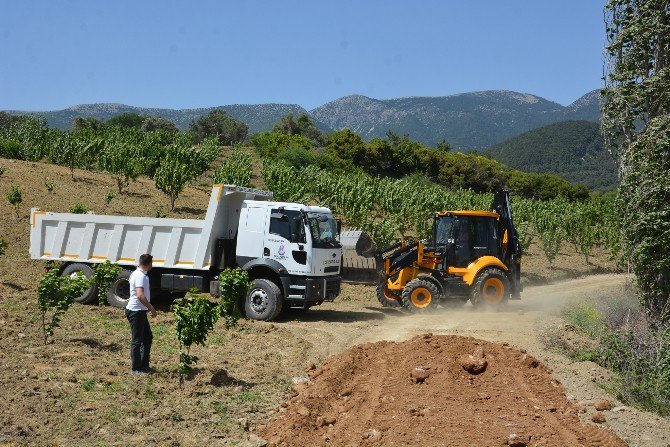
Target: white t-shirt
x=138, y=278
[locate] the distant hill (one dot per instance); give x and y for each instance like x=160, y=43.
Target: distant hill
x=467, y=120
x=258, y=117
x=572, y=149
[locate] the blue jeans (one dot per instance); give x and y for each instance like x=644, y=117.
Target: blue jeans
x=140, y=339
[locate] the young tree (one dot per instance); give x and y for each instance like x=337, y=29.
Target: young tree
x=126, y=120
x=236, y=170
x=3, y=247
x=302, y=125
x=15, y=197
x=153, y=123
x=219, y=124
x=55, y=295
x=119, y=159
x=636, y=126
x=182, y=163
x=80, y=123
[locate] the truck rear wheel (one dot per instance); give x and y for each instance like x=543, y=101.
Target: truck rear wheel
x=420, y=296
x=388, y=298
x=91, y=294
x=490, y=289
x=264, y=300
x=118, y=293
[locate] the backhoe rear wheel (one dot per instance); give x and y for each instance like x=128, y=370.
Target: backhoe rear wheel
x=388, y=298
x=420, y=296
x=490, y=289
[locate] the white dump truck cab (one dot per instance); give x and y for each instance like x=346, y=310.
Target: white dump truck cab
x=293, y=245
x=291, y=251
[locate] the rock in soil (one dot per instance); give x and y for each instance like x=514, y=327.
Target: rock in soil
x=364, y=386
x=257, y=441
x=603, y=405
x=598, y=418
x=517, y=440
x=474, y=363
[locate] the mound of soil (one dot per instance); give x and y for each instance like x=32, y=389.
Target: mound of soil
x=430, y=391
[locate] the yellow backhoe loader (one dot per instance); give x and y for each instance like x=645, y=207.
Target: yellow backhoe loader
x=470, y=255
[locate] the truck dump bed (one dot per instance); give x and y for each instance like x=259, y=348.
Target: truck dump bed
x=173, y=243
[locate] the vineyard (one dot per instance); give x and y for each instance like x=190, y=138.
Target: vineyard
x=389, y=209
x=386, y=208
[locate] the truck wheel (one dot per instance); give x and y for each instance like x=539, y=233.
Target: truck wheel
x=388, y=298
x=490, y=289
x=91, y=294
x=118, y=293
x=264, y=300
x=420, y=296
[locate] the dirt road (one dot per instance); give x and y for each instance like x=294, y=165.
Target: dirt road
x=77, y=391
x=521, y=324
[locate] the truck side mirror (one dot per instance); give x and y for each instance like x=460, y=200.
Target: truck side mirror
x=339, y=227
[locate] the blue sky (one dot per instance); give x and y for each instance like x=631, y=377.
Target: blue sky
x=181, y=54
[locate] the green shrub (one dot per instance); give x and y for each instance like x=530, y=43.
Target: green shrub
x=104, y=275
x=298, y=157
x=160, y=213
x=49, y=185
x=270, y=144
x=233, y=287
x=585, y=316
x=109, y=197
x=15, y=197
x=79, y=208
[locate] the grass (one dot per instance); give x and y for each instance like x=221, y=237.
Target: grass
x=149, y=391
x=247, y=396
x=89, y=385
x=584, y=315
x=627, y=343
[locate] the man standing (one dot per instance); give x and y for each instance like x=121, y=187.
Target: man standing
x=136, y=312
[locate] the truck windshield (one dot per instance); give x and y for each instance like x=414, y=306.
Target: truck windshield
x=324, y=230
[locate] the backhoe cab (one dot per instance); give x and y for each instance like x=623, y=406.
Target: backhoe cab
x=471, y=255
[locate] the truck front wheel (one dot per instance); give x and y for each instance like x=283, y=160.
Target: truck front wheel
x=264, y=300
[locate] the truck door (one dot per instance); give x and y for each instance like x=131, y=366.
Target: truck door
x=287, y=242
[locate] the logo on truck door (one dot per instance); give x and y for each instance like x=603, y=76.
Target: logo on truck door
x=282, y=250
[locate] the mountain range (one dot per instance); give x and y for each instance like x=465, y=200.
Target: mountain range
x=467, y=121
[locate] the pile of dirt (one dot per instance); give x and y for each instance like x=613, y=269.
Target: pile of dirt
x=429, y=391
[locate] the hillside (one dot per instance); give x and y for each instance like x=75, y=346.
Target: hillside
x=572, y=149
x=467, y=120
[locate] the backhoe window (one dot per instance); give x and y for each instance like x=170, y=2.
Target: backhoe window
x=444, y=231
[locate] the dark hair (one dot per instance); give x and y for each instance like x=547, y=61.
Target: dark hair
x=146, y=259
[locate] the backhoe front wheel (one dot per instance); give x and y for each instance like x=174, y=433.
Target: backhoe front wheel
x=490, y=289
x=388, y=298
x=420, y=296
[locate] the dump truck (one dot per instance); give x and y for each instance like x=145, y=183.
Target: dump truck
x=290, y=250
x=469, y=255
